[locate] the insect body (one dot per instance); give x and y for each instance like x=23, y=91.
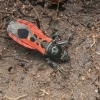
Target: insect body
x=28, y=35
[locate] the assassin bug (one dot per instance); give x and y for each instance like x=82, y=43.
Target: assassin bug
x=30, y=36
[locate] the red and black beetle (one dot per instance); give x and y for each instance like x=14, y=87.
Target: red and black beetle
x=30, y=36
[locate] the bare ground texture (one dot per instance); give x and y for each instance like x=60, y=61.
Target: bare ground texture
x=20, y=78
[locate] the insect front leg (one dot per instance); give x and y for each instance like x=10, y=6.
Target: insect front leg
x=65, y=42
x=49, y=61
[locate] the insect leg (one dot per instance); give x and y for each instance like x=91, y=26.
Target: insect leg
x=65, y=42
x=54, y=35
x=62, y=42
x=55, y=66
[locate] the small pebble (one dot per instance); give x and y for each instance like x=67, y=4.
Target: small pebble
x=96, y=91
x=83, y=78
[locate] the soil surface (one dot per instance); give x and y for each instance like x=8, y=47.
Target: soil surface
x=20, y=78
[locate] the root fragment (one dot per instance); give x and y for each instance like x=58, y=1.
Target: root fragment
x=16, y=98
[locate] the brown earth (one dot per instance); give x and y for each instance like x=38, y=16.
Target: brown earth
x=20, y=78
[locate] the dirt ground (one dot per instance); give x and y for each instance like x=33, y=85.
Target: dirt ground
x=20, y=78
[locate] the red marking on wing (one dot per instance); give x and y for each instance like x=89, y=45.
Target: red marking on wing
x=34, y=30
x=27, y=43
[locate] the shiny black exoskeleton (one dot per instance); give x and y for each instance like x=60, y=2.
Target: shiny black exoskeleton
x=54, y=52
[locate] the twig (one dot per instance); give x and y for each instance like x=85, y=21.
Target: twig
x=16, y=58
x=94, y=38
x=58, y=9
x=37, y=15
x=58, y=5
x=44, y=92
x=98, y=52
x=19, y=10
x=94, y=41
x=10, y=98
x=79, y=42
x=34, y=10
x=1, y=72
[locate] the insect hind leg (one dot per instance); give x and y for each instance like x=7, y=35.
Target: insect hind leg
x=55, y=66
